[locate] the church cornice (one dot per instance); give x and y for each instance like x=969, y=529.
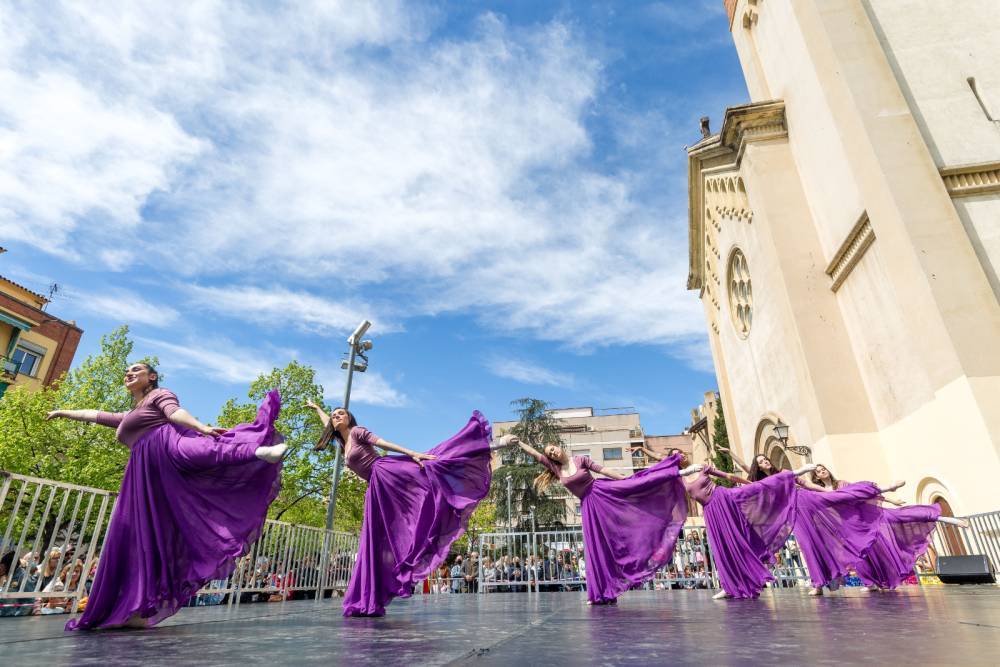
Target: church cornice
x=851, y=251
x=972, y=179
x=716, y=155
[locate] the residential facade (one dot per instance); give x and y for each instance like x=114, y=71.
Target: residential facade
x=606, y=436
x=36, y=348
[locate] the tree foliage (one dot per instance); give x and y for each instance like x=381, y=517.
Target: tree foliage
x=536, y=427
x=66, y=450
x=307, y=475
x=90, y=455
x=483, y=520
x=720, y=459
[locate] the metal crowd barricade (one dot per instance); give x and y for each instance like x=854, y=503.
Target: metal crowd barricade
x=47, y=527
x=692, y=566
x=982, y=537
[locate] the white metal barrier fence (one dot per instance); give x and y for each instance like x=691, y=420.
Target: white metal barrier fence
x=52, y=533
x=981, y=537
x=556, y=561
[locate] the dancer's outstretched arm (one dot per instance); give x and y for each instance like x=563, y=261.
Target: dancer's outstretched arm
x=653, y=455
x=393, y=447
x=613, y=474
x=735, y=479
x=320, y=412
x=736, y=458
x=89, y=416
x=182, y=417
x=807, y=483
x=510, y=440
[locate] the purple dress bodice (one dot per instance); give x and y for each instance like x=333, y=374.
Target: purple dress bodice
x=700, y=489
x=578, y=483
x=361, y=454
x=152, y=411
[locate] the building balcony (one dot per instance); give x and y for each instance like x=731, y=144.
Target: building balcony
x=8, y=369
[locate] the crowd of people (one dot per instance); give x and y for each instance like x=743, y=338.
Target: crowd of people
x=258, y=578
x=57, y=571
x=562, y=570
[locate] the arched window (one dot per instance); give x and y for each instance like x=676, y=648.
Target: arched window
x=740, y=293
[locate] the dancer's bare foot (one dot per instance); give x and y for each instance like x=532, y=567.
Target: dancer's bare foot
x=815, y=592
x=721, y=595
x=873, y=589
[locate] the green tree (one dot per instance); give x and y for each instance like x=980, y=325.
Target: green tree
x=65, y=450
x=720, y=459
x=483, y=520
x=306, y=476
x=536, y=427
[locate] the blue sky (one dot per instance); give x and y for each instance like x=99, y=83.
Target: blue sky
x=499, y=186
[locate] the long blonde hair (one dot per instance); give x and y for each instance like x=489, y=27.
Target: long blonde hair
x=544, y=480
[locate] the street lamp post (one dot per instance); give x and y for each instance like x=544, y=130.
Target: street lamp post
x=355, y=348
x=510, y=525
x=781, y=432
x=534, y=554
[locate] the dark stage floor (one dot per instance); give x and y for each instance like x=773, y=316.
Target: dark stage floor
x=957, y=625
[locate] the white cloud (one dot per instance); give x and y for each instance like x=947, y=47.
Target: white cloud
x=372, y=388
x=224, y=361
x=248, y=141
x=520, y=370
x=127, y=307
x=218, y=360
x=282, y=307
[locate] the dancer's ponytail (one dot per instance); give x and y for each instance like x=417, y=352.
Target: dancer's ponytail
x=543, y=481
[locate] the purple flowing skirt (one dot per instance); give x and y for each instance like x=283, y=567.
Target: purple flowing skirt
x=903, y=536
x=413, y=515
x=834, y=529
x=189, y=506
x=746, y=526
x=630, y=527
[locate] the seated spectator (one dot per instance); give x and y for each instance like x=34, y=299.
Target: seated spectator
x=50, y=568
x=67, y=580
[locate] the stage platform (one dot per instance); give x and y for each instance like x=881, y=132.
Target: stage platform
x=954, y=625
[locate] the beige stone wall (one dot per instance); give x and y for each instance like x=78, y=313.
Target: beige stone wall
x=891, y=370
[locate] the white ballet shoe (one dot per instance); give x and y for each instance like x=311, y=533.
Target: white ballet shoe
x=504, y=441
x=721, y=595
x=271, y=454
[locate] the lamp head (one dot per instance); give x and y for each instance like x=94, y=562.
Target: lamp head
x=781, y=431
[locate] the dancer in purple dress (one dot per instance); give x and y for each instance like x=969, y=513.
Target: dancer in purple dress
x=416, y=505
x=746, y=524
x=193, y=499
x=630, y=525
x=836, y=524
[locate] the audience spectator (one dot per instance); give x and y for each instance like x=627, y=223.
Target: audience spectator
x=471, y=573
x=456, y=575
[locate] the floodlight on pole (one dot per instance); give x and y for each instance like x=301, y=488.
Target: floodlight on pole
x=355, y=348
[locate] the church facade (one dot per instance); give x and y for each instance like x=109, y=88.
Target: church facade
x=845, y=242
